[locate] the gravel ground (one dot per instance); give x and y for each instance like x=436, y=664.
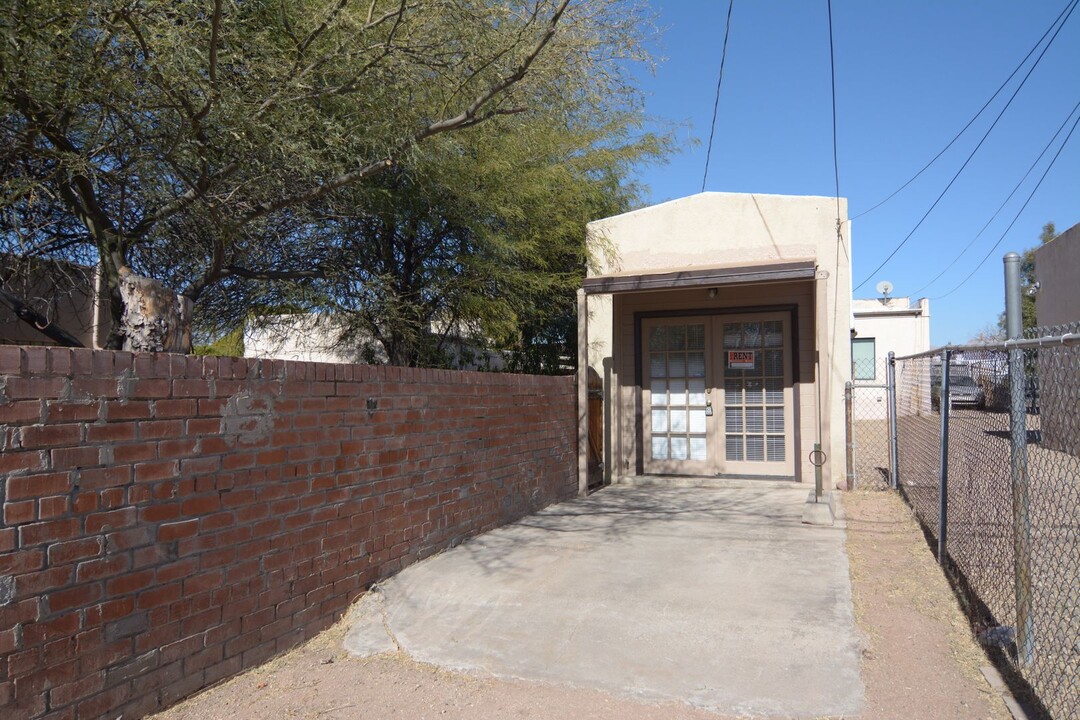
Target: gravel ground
x=919, y=659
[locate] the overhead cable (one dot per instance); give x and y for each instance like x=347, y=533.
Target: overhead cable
x=1018, y=212
x=716, y=102
x=1005, y=202
x=975, y=117
x=973, y=152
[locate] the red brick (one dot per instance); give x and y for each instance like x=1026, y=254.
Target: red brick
x=153, y=471
x=10, y=360
x=84, y=503
x=175, y=408
x=177, y=530
x=78, y=596
x=74, y=550
x=132, y=582
x=50, y=508
x=151, y=389
x=44, y=436
x=110, y=520
x=111, y=476
x=20, y=413
x=95, y=387
x=111, y=432
x=24, y=461
x=188, y=388
x=159, y=595
x=34, y=388
x=159, y=512
x=16, y=513
x=76, y=457
x=35, y=486
x=203, y=426
x=101, y=568
x=201, y=505
x=160, y=429
x=62, y=411
x=128, y=539
x=48, y=532
x=185, y=447
x=23, y=561
x=135, y=452
x=97, y=615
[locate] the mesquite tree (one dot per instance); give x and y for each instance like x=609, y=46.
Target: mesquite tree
x=186, y=146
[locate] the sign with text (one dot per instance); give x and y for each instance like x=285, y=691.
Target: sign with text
x=740, y=359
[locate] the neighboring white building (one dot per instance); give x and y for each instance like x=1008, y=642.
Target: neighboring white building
x=315, y=338
x=880, y=326
x=719, y=325
x=306, y=338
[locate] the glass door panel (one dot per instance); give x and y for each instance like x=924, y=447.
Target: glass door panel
x=676, y=427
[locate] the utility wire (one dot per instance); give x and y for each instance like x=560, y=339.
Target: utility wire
x=975, y=117
x=1018, y=212
x=1005, y=202
x=835, y=156
x=973, y=152
x=836, y=168
x=716, y=102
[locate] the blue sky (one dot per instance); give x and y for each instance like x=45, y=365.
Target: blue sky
x=909, y=76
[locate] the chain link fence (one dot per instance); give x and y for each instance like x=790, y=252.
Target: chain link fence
x=1005, y=457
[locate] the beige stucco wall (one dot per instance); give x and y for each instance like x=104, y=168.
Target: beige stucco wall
x=722, y=229
x=898, y=325
x=1057, y=268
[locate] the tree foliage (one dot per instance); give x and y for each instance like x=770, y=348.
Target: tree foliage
x=280, y=155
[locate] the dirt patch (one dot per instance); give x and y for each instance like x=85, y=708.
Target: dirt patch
x=919, y=660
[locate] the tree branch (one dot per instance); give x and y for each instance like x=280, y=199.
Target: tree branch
x=469, y=117
x=39, y=322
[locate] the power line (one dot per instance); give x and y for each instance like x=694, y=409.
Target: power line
x=973, y=152
x=975, y=117
x=836, y=163
x=1005, y=202
x=832, y=77
x=1018, y=212
x=716, y=102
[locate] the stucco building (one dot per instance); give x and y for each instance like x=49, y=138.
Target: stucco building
x=719, y=325
x=880, y=326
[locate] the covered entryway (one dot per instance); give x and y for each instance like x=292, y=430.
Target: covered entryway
x=719, y=326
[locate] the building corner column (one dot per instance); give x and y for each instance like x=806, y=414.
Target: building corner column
x=583, y=392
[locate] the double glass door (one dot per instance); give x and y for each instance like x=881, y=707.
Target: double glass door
x=717, y=395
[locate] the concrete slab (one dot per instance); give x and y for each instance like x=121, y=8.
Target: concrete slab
x=720, y=598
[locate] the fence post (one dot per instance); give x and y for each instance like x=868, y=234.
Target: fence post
x=943, y=488
x=848, y=399
x=1025, y=635
x=890, y=393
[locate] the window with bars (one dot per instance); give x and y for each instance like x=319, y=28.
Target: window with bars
x=677, y=391
x=754, y=422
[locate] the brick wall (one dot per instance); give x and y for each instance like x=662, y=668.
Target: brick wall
x=169, y=521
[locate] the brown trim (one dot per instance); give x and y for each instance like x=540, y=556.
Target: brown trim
x=704, y=277
x=791, y=308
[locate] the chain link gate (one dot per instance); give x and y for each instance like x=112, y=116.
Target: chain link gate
x=867, y=403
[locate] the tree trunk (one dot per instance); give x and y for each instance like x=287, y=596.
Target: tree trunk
x=155, y=318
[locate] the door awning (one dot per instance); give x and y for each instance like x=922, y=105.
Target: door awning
x=779, y=270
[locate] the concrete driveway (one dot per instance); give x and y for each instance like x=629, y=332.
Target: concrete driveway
x=719, y=598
